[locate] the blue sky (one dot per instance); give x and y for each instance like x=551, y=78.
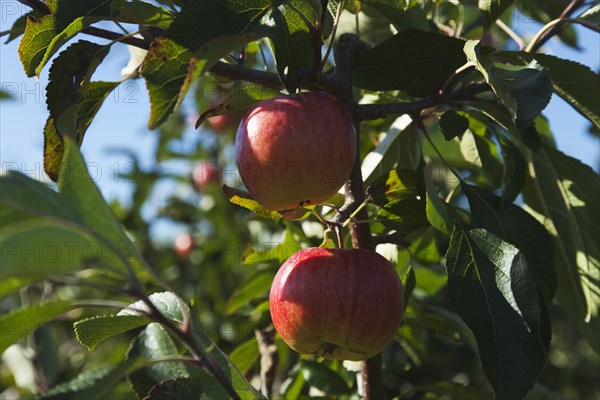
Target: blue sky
x=121, y=122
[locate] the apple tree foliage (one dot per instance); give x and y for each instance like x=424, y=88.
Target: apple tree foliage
x=492, y=229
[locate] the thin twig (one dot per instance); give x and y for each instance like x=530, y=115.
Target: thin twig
x=512, y=34
x=544, y=35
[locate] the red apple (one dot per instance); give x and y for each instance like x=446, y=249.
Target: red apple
x=184, y=244
x=221, y=123
x=337, y=303
x=295, y=150
x=204, y=173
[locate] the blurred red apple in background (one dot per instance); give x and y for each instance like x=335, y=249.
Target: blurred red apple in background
x=184, y=244
x=222, y=123
x=295, y=150
x=204, y=173
x=337, y=303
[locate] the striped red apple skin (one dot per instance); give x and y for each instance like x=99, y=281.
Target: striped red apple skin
x=337, y=303
x=295, y=150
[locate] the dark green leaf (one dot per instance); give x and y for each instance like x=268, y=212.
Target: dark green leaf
x=493, y=9
x=323, y=378
x=417, y=62
x=174, y=308
x=572, y=81
x=292, y=40
x=453, y=124
x=91, y=331
x=44, y=36
x=24, y=321
x=490, y=288
x=93, y=384
x=398, y=184
x=524, y=88
x=514, y=225
x=176, y=389
x=403, y=15
x=452, y=390
x=403, y=215
x=515, y=171
x=567, y=191
x=154, y=343
x=203, y=32
x=436, y=208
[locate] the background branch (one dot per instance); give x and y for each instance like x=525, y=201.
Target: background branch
x=567, y=12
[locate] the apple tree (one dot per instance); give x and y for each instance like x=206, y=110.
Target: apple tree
x=451, y=173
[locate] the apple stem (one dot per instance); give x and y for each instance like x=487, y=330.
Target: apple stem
x=344, y=49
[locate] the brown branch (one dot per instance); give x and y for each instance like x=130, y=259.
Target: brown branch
x=110, y=35
x=269, y=359
x=37, y=5
x=371, y=371
x=375, y=111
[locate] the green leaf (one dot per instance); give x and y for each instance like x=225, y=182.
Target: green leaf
x=40, y=248
x=571, y=81
x=515, y=171
x=53, y=149
x=517, y=227
x=279, y=253
x=245, y=355
x=93, y=384
x=203, y=32
x=567, y=192
x=524, y=88
x=23, y=198
x=154, y=343
x=451, y=390
x=43, y=37
x=292, y=40
x=490, y=289
x=243, y=199
x=176, y=389
x=591, y=15
x=18, y=27
x=493, y=9
x=91, y=331
x=24, y=321
x=403, y=15
x=417, y=62
x=436, y=208
x=403, y=215
x=453, y=125
x=76, y=184
x=256, y=287
x=393, y=150
x=482, y=155
x=323, y=378
x=173, y=308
